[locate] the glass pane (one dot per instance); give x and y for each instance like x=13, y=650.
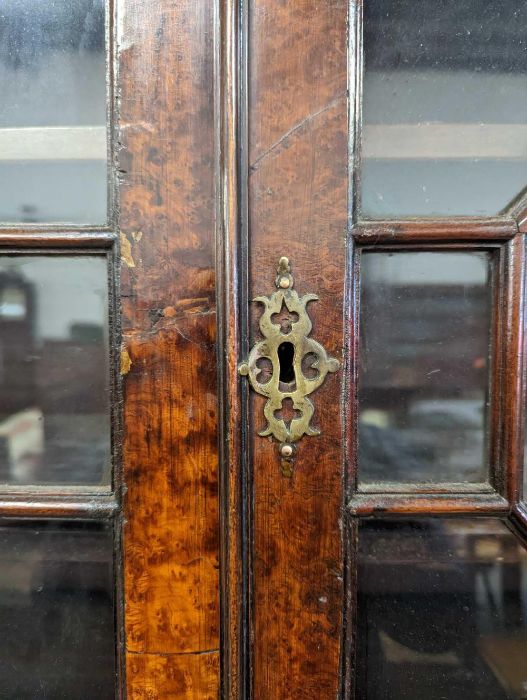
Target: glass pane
x=439, y=135
x=53, y=111
x=442, y=610
x=425, y=335
x=56, y=611
x=54, y=370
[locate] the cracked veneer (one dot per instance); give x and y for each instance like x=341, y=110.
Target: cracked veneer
x=295, y=129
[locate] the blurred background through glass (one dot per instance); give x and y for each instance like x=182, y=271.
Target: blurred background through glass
x=54, y=370
x=53, y=111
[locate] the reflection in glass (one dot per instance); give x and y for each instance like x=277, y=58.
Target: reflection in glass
x=442, y=610
x=53, y=111
x=56, y=611
x=54, y=370
x=425, y=329
x=439, y=136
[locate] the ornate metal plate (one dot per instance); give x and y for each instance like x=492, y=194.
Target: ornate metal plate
x=299, y=364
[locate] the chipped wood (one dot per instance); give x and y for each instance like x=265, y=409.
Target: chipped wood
x=126, y=251
x=125, y=362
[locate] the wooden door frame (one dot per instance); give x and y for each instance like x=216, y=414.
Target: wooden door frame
x=503, y=234
x=164, y=164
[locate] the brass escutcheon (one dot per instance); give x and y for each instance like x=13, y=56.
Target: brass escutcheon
x=293, y=333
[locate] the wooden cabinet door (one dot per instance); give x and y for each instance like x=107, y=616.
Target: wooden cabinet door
x=369, y=544
x=366, y=143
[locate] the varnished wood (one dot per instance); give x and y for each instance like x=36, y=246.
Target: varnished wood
x=519, y=518
x=232, y=240
x=284, y=142
x=499, y=343
x=522, y=221
x=366, y=505
x=62, y=504
x=461, y=488
x=66, y=239
x=257, y=140
x=298, y=207
x=517, y=210
x=512, y=393
x=435, y=230
x=167, y=213
x=193, y=677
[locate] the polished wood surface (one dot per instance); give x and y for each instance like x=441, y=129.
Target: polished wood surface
x=266, y=113
x=382, y=504
x=233, y=127
x=180, y=677
x=166, y=166
x=298, y=133
x=290, y=548
x=435, y=230
x=232, y=242
x=66, y=239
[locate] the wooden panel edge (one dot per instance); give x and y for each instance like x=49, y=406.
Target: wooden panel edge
x=367, y=505
x=518, y=520
x=81, y=507
x=70, y=239
x=430, y=230
x=512, y=387
x=232, y=244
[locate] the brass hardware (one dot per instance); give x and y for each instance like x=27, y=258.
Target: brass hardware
x=286, y=450
x=287, y=340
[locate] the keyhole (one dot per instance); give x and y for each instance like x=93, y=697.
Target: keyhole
x=286, y=354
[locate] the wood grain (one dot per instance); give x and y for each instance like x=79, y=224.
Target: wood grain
x=166, y=161
x=31, y=504
x=380, y=505
x=232, y=240
x=192, y=677
x=435, y=230
x=298, y=208
x=66, y=239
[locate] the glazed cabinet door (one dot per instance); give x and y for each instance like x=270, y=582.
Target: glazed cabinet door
x=371, y=298
x=109, y=530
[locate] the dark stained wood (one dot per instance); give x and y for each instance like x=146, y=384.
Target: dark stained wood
x=518, y=211
x=519, y=519
x=298, y=183
x=365, y=505
x=430, y=230
x=461, y=488
x=522, y=222
x=67, y=239
x=166, y=165
x=295, y=209
x=232, y=240
x=62, y=504
x=499, y=347
x=511, y=394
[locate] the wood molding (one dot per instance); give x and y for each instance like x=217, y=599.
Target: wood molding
x=435, y=230
x=232, y=240
x=67, y=238
x=511, y=392
x=61, y=504
x=383, y=505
